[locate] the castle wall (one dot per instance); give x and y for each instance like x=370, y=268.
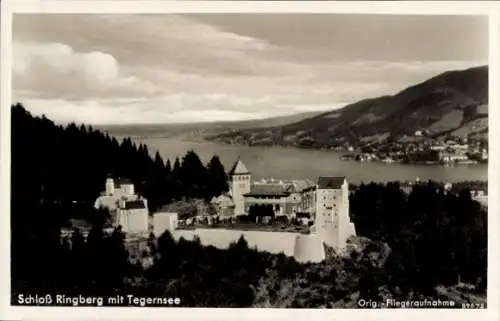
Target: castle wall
x=309, y=248
x=164, y=221
x=273, y=242
x=301, y=246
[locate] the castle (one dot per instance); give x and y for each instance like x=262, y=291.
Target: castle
x=326, y=201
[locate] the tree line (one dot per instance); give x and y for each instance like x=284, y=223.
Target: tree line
x=68, y=164
x=435, y=237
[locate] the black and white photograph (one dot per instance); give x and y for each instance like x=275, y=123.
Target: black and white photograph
x=322, y=160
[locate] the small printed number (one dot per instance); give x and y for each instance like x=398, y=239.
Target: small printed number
x=473, y=306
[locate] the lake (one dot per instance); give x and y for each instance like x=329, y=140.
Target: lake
x=293, y=163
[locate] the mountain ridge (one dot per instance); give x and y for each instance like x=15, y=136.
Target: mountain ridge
x=442, y=105
x=201, y=129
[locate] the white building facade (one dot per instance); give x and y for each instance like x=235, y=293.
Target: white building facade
x=239, y=185
x=133, y=217
x=164, y=221
x=332, y=219
x=128, y=210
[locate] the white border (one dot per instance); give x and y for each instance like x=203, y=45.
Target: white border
x=490, y=8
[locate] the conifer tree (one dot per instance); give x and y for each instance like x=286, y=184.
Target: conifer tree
x=168, y=168
x=193, y=176
x=178, y=187
x=216, y=178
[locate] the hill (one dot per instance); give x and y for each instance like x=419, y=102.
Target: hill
x=454, y=102
x=200, y=130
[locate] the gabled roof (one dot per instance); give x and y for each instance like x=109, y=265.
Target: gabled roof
x=330, y=182
x=133, y=205
x=238, y=168
x=268, y=190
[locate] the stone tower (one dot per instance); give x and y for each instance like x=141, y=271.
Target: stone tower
x=239, y=185
x=110, y=186
x=332, y=211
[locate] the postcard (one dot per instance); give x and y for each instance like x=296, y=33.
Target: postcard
x=250, y=160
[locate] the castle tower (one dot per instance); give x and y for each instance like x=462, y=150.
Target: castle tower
x=239, y=185
x=309, y=248
x=332, y=211
x=110, y=186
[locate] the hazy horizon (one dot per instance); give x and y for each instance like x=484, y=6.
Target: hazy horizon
x=203, y=68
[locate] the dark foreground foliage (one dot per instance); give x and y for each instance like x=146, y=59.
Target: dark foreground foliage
x=417, y=242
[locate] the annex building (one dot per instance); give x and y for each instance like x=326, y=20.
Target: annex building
x=127, y=209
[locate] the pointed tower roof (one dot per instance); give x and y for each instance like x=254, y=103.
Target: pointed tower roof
x=238, y=168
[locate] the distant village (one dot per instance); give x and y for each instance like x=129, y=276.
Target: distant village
x=421, y=149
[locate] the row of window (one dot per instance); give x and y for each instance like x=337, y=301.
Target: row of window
x=241, y=178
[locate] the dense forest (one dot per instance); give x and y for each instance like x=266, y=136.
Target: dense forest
x=57, y=173
x=417, y=241
x=69, y=165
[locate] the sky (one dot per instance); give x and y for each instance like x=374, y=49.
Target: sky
x=124, y=69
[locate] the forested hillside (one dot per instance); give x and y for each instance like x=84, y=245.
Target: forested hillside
x=452, y=102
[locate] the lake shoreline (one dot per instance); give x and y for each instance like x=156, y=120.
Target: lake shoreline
x=344, y=157
x=284, y=162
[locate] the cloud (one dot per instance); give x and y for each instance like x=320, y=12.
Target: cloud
x=55, y=70
x=168, y=68
x=104, y=112
x=191, y=98
x=171, y=42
